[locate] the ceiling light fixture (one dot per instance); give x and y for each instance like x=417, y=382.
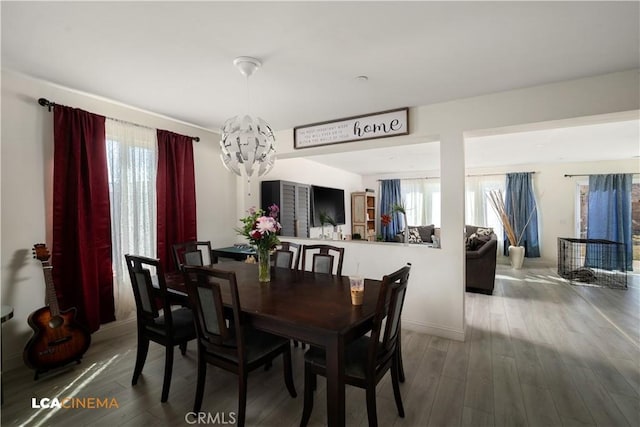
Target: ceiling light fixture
x=247, y=142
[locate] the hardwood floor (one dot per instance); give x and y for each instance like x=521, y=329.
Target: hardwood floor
x=539, y=352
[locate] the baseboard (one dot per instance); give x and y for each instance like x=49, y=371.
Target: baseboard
x=106, y=332
x=439, y=331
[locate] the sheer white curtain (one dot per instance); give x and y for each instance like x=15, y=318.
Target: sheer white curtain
x=132, y=157
x=478, y=209
x=421, y=198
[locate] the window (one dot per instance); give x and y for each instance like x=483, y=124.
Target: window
x=582, y=212
x=132, y=162
x=421, y=198
x=478, y=210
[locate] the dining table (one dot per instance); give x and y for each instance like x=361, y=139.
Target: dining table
x=314, y=308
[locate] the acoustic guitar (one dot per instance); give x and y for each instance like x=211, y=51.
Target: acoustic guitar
x=57, y=338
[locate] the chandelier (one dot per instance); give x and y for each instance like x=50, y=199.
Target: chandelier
x=247, y=142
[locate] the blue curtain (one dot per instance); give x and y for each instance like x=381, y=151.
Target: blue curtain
x=609, y=218
x=520, y=204
x=390, y=195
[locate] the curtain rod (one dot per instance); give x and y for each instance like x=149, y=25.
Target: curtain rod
x=466, y=176
x=418, y=177
x=495, y=174
x=584, y=174
x=46, y=103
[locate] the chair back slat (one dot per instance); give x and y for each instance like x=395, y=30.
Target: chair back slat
x=392, y=325
x=145, y=293
x=322, y=263
x=294, y=250
x=334, y=252
x=193, y=258
x=205, y=288
x=210, y=312
x=283, y=259
x=388, y=311
x=194, y=253
x=141, y=289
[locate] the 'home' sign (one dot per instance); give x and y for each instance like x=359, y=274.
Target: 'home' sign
x=369, y=126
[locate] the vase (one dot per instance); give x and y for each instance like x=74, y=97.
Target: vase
x=264, y=265
x=516, y=256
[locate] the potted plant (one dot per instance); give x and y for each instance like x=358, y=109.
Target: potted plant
x=326, y=219
x=385, y=220
x=511, y=228
x=399, y=208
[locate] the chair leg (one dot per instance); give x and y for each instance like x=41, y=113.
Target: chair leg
x=202, y=375
x=309, y=380
x=168, y=368
x=372, y=414
x=183, y=348
x=141, y=357
x=288, y=372
x=395, y=376
x=242, y=397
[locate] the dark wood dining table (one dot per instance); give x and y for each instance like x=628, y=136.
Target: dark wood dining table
x=310, y=307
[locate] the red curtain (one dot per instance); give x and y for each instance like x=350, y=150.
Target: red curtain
x=81, y=252
x=176, y=194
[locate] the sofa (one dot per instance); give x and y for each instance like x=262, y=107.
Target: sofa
x=418, y=234
x=482, y=248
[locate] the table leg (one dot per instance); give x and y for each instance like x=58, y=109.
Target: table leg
x=335, y=383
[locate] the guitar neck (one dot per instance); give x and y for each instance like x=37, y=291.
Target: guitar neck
x=52, y=297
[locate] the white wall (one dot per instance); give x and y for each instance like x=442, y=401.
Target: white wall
x=428, y=303
x=441, y=284
x=556, y=196
x=437, y=284
x=27, y=153
x=308, y=172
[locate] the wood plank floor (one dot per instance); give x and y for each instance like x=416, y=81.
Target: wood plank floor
x=539, y=352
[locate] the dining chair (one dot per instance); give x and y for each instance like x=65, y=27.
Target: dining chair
x=323, y=258
x=192, y=253
x=223, y=338
x=287, y=255
x=171, y=328
x=368, y=358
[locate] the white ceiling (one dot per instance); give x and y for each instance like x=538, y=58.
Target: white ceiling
x=175, y=58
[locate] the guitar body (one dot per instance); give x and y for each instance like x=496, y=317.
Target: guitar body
x=57, y=338
x=56, y=341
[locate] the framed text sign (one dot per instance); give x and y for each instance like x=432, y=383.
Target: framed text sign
x=368, y=126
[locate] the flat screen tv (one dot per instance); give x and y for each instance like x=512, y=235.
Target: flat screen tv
x=327, y=200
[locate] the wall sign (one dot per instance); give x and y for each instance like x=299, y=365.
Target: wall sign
x=368, y=126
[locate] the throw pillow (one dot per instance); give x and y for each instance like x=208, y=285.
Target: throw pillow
x=426, y=231
x=482, y=231
x=476, y=241
x=414, y=236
